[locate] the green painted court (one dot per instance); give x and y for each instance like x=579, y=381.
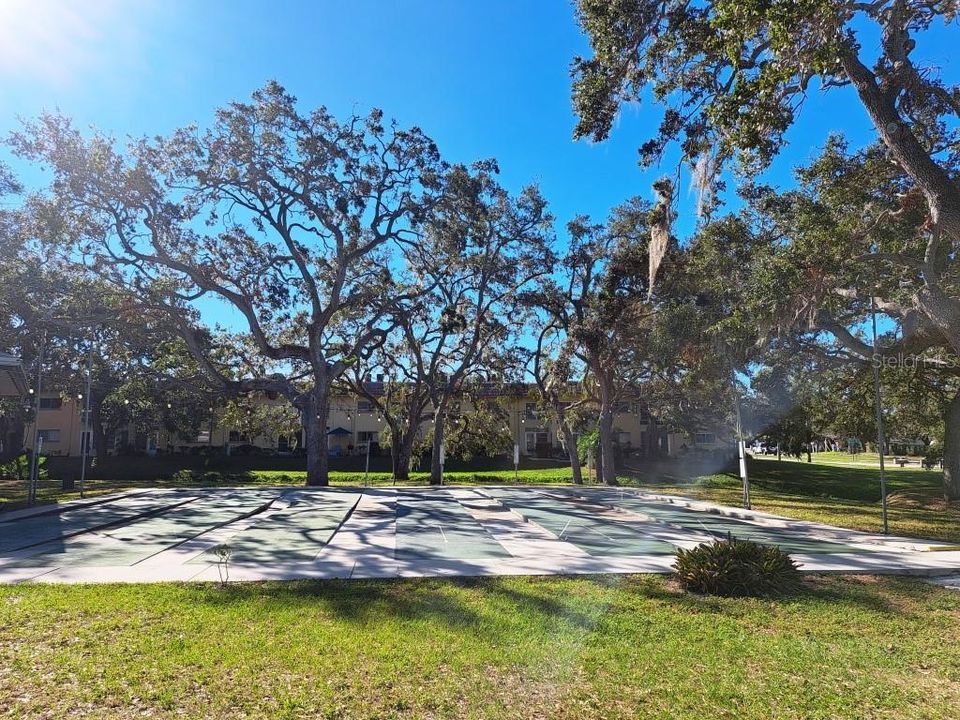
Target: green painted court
x=287, y=533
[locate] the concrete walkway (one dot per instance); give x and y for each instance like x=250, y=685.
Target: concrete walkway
x=298, y=533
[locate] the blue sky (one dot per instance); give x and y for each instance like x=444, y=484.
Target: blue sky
x=484, y=79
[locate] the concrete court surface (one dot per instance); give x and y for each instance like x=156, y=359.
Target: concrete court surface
x=295, y=532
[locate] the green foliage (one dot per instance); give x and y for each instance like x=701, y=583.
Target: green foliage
x=19, y=467
x=588, y=441
x=736, y=568
x=480, y=431
x=254, y=418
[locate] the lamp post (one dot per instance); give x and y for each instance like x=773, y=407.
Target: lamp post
x=741, y=447
x=35, y=465
x=881, y=436
x=366, y=472
x=85, y=444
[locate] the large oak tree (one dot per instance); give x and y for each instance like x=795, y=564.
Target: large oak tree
x=733, y=77
x=287, y=219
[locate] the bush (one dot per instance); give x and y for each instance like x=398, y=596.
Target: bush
x=736, y=568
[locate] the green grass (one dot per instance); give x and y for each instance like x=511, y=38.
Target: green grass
x=601, y=647
x=12, y=492
x=843, y=496
x=864, y=458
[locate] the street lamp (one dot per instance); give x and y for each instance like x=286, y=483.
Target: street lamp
x=85, y=444
x=881, y=436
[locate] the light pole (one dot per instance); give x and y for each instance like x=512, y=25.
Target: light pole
x=85, y=444
x=35, y=465
x=366, y=472
x=881, y=437
x=741, y=447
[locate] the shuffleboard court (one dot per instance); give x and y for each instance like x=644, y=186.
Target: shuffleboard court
x=133, y=542
x=431, y=525
x=294, y=534
x=280, y=533
x=720, y=526
x=59, y=524
x=597, y=535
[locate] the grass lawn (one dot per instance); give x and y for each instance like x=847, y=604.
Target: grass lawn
x=843, y=496
x=601, y=647
x=864, y=458
x=12, y=491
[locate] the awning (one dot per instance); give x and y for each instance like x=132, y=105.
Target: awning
x=339, y=431
x=13, y=383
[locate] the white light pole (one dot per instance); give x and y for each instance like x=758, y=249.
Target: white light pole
x=742, y=450
x=85, y=445
x=741, y=445
x=35, y=466
x=443, y=457
x=366, y=472
x=881, y=437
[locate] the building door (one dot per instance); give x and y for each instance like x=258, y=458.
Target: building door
x=535, y=438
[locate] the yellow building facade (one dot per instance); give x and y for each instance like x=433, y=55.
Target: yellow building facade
x=353, y=422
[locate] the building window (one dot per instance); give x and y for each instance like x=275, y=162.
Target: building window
x=622, y=439
x=51, y=403
x=622, y=407
x=364, y=436
x=535, y=438
x=530, y=410
x=204, y=436
x=704, y=438
x=49, y=436
x=364, y=406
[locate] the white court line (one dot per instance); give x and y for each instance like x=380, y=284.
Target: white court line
x=518, y=535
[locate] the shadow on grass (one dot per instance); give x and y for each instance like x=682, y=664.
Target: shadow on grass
x=451, y=601
x=803, y=479
x=886, y=595
x=579, y=602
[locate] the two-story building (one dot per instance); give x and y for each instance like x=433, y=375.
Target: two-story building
x=354, y=422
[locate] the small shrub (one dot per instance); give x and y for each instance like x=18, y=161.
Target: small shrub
x=736, y=568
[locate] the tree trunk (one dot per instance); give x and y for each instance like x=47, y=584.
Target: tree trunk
x=406, y=453
x=941, y=192
x=652, y=450
x=395, y=460
x=436, y=471
x=401, y=450
x=14, y=430
x=315, y=427
x=608, y=463
x=571, y=444
x=951, y=450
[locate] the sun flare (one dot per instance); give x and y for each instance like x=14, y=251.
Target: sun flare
x=53, y=40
